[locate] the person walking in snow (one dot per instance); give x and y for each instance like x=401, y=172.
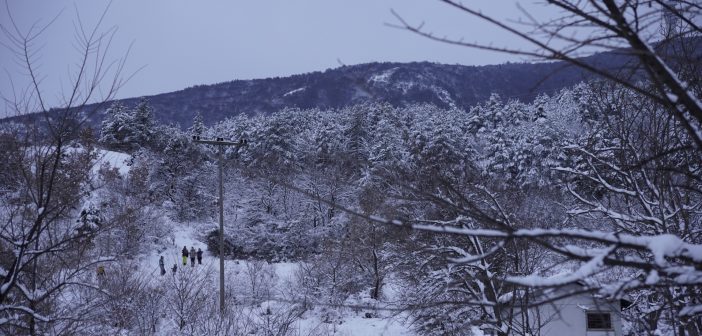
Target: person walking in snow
x=185, y=255
x=101, y=275
x=174, y=269
x=192, y=256
x=199, y=256
x=162, y=266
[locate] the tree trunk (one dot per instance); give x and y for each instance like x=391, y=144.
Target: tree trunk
x=376, y=277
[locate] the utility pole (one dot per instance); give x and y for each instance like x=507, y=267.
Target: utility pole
x=220, y=143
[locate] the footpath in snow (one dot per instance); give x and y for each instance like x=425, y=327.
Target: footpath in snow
x=259, y=285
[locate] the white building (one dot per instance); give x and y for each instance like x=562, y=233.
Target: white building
x=571, y=314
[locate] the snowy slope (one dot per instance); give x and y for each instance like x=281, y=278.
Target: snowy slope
x=319, y=320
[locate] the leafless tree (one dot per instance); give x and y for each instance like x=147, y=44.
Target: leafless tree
x=649, y=31
x=188, y=295
x=43, y=245
x=646, y=172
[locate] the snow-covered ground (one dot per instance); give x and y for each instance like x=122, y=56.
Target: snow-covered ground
x=112, y=159
x=383, y=77
x=352, y=319
x=294, y=91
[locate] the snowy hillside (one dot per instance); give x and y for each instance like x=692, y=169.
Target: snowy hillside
x=264, y=294
x=366, y=220
x=399, y=84
x=309, y=243
x=556, y=198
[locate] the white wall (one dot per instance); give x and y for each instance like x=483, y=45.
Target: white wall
x=567, y=317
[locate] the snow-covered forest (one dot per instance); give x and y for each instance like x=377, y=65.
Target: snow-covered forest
x=337, y=193
x=364, y=220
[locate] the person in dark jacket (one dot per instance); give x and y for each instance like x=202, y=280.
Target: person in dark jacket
x=174, y=269
x=101, y=275
x=185, y=255
x=199, y=256
x=192, y=256
x=162, y=266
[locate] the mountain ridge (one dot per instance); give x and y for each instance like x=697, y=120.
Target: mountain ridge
x=399, y=84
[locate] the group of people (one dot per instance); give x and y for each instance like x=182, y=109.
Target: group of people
x=192, y=254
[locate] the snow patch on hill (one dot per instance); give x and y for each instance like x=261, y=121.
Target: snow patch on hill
x=114, y=160
x=383, y=77
x=295, y=91
x=445, y=97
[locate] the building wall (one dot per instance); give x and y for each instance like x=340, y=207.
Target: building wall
x=568, y=317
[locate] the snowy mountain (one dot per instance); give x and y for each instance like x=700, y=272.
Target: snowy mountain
x=361, y=220
x=400, y=84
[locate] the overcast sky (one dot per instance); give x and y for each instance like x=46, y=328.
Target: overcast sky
x=180, y=43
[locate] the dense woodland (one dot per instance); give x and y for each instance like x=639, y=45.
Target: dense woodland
x=399, y=84
x=311, y=186
x=457, y=219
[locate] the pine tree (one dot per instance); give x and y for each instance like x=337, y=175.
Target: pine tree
x=143, y=123
x=127, y=129
x=198, y=127
x=114, y=127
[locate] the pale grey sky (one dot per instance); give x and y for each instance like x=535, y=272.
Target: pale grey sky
x=180, y=43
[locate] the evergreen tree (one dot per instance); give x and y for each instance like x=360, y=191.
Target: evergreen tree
x=113, y=132
x=143, y=124
x=127, y=129
x=198, y=126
